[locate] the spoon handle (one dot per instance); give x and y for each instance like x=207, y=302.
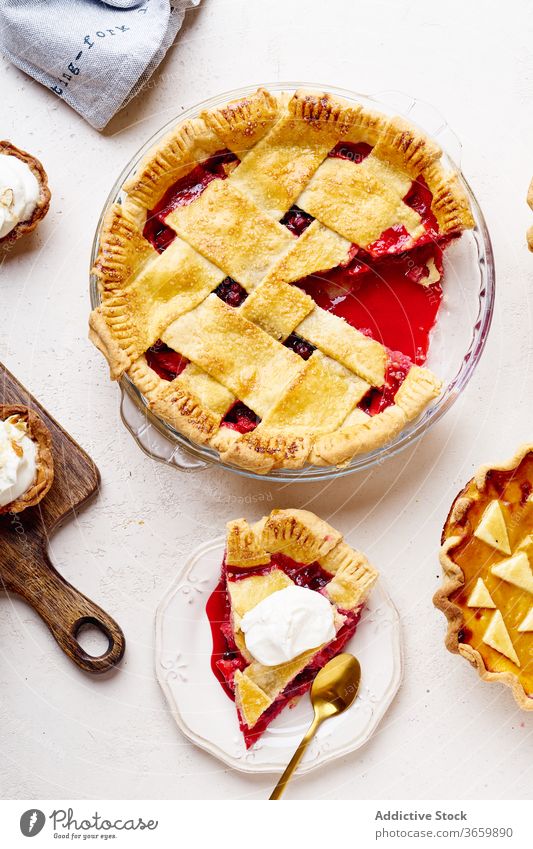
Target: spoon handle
x=296, y=758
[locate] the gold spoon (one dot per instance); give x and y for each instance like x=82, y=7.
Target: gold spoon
x=334, y=689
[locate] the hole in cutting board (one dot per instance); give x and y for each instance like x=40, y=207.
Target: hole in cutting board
x=92, y=639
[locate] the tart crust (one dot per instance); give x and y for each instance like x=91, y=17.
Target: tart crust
x=232, y=228
x=43, y=204
x=39, y=433
x=454, y=577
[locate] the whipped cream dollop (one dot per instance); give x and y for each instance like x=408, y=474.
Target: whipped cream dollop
x=18, y=460
x=19, y=193
x=286, y=624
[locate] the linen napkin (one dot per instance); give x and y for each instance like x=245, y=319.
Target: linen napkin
x=94, y=54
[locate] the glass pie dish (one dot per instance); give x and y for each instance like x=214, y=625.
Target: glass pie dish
x=457, y=339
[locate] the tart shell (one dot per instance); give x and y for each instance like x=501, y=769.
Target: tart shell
x=40, y=434
x=453, y=579
x=43, y=204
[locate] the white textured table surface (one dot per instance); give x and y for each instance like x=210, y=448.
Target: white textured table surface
x=448, y=734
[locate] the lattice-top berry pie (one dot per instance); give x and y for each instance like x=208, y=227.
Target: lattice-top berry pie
x=289, y=599
x=270, y=279
x=487, y=555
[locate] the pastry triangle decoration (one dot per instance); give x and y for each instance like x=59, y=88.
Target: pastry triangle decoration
x=497, y=637
x=492, y=528
x=527, y=544
x=515, y=570
x=527, y=624
x=480, y=596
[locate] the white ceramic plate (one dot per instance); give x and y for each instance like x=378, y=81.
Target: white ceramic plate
x=207, y=716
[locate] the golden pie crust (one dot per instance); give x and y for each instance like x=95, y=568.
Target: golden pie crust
x=305, y=538
x=43, y=204
x=39, y=433
x=308, y=410
x=487, y=557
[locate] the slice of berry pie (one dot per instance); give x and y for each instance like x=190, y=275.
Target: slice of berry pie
x=289, y=599
x=271, y=276
x=487, y=556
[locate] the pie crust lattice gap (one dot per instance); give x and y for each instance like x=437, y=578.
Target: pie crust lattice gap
x=200, y=263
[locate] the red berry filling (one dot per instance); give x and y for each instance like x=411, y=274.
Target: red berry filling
x=354, y=151
x=396, y=239
x=167, y=363
x=240, y=418
x=382, y=298
x=299, y=346
x=376, y=400
x=231, y=292
x=296, y=220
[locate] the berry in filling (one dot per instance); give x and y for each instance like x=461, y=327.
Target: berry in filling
x=296, y=220
x=299, y=346
x=167, y=363
x=231, y=292
x=226, y=658
x=240, y=418
x=182, y=192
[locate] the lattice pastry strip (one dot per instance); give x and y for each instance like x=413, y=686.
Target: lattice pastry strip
x=317, y=249
x=353, y=202
x=228, y=229
x=237, y=353
x=305, y=409
x=335, y=337
x=168, y=286
x=276, y=170
x=277, y=307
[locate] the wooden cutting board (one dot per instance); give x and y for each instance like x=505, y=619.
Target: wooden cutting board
x=25, y=567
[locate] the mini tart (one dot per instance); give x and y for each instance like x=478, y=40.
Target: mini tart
x=39, y=433
x=43, y=204
x=286, y=548
x=219, y=275
x=487, y=557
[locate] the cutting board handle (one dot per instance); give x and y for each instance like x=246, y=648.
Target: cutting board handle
x=66, y=611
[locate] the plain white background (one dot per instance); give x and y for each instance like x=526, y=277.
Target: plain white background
x=448, y=735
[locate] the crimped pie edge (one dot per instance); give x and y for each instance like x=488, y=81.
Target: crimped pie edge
x=453, y=578
x=305, y=537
